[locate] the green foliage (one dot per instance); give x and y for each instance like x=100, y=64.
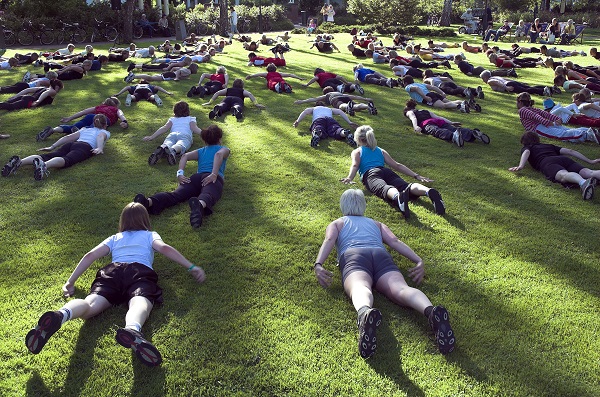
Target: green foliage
x=391, y=12
x=275, y=13
x=311, y=6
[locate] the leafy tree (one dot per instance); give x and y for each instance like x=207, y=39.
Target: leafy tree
x=446, y=13
x=387, y=12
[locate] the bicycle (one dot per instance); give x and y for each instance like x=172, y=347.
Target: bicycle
x=29, y=33
x=9, y=37
x=71, y=33
x=103, y=30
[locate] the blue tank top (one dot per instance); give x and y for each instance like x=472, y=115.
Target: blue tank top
x=206, y=158
x=358, y=232
x=370, y=158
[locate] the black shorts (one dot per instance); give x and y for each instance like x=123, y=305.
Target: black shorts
x=375, y=261
x=379, y=180
x=338, y=100
x=70, y=75
x=72, y=153
x=142, y=93
x=434, y=98
x=551, y=165
x=168, y=75
x=119, y=282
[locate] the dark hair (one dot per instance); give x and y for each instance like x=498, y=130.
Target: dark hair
x=251, y=55
x=369, y=53
x=328, y=89
x=134, y=217
x=271, y=67
x=525, y=99
x=428, y=73
x=559, y=80
x=103, y=58
x=578, y=97
x=318, y=70
x=394, y=62
x=56, y=83
x=408, y=80
x=212, y=134
x=181, y=109
x=411, y=104
x=530, y=138
x=543, y=47
x=238, y=83
x=319, y=103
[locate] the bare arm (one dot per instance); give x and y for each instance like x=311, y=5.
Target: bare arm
x=302, y=115
x=194, y=127
x=126, y=88
x=215, y=96
x=193, y=155
x=65, y=139
x=413, y=119
x=355, y=156
x=524, y=158
x=160, y=89
x=331, y=234
x=45, y=94
x=100, y=141
x=396, y=165
x=310, y=81
x=78, y=114
x=578, y=155
x=260, y=74
x=249, y=95
x=174, y=255
x=98, y=252
x=291, y=75
x=159, y=131
x=309, y=100
x=344, y=116
x=416, y=273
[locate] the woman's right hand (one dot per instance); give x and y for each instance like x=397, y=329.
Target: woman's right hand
x=183, y=179
x=347, y=181
x=324, y=276
x=198, y=274
x=68, y=289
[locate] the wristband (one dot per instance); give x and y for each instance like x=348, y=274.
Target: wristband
x=191, y=267
x=180, y=173
x=317, y=263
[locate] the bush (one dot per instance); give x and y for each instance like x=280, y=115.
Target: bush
x=388, y=12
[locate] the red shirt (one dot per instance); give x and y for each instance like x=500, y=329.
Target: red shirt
x=109, y=111
x=272, y=79
x=218, y=77
x=322, y=77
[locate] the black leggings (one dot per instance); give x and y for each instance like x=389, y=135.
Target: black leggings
x=231, y=102
x=20, y=102
x=13, y=89
x=451, y=88
x=446, y=131
x=72, y=153
x=522, y=87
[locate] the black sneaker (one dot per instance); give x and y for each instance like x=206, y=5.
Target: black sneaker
x=438, y=203
x=512, y=73
x=237, y=113
x=141, y=199
x=12, y=166
x=358, y=88
x=314, y=142
x=144, y=350
x=48, y=324
x=350, y=139
x=171, y=156
x=130, y=67
x=402, y=199
x=368, y=323
x=45, y=133
x=467, y=93
x=196, y=212
x=156, y=155
x=191, y=92
x=439, y=321
x=287, y=88
x=587, y=189
x=275, y=49
x=372, y=108
x=480, y=136
x=480, y=93
x=40, y=171
x=350, y=108
x=216, y=112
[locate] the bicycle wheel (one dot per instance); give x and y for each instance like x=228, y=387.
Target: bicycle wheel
x=79, y=35
x=60, y=37
x=46, y=37
x=111, y=33
x=9, y=38
x=138, y=32
x=25, y=37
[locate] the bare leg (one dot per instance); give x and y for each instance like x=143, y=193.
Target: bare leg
x=139, y=310
x=572, y=177
x=89, y=307
x=587, y=173
x=358, y=287
x=394, y=287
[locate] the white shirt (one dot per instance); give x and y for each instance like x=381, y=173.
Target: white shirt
x=321, y=112
x=132, y=246
x=90, y=136
x=589, y=112
x=182, y=124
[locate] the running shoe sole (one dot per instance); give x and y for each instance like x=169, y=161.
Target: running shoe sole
x=438, y=203
x=144, y=350
x=156, y=155
x=367, y=336
x=439, y=320
x=48, y=324
x=195, y=212
x=45, y=133
x=12, y=166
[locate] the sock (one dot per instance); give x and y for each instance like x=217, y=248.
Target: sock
x=582, y=182
x=362, y=310
x=395, y=198
x=66, y=313
x=428, y=311
x=135, y=326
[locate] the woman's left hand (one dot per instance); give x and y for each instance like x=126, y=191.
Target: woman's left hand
x=97, y=151
x=417, y=273
x=211, y=178
x=347, y=181
x=421, y=178
x=324, y=276
x=123, y=124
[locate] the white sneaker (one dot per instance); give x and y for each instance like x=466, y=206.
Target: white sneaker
x=457, y=139
x=158, y=101
x=128, y=100
x=583, y=54
x=590, y=135
x=547, y=91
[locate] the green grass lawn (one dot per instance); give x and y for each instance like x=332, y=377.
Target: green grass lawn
x=515, y=260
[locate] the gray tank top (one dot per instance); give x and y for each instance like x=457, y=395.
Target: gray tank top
x=358, y=232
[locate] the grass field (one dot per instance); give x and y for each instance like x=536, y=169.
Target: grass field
x=515, y=260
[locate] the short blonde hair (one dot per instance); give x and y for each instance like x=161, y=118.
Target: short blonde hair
x=353, y=203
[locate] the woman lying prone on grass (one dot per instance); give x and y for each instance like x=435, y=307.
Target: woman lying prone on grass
x=129, y=279
x=365, y=263
x=72, y=149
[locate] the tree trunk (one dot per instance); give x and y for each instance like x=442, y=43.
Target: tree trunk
x=446, y=13
x=128, y=21
x=223, y=17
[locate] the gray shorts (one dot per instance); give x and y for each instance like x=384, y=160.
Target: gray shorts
x=375, y=261
x=178, y=138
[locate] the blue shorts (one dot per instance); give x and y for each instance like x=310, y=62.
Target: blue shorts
x=374, y=261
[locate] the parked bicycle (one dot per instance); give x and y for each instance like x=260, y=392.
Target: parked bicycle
x=29, y=34
x=103, y=31
x=71, y=33
x=10, y=38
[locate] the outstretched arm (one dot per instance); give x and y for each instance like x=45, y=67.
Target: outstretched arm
x=578, y=155
x=416, y=273
x=215, y=96
x=355, y=156
x=98, y=252
x=302, y=115
x=310, y=81
x=399, y=167
x=413, y=119
x=78, y=114
x=291, y=75
x=174, y=255
x=159, y=131
x=126, y=88
x=65, y=139
x=193, y=155
x=344, y=116
x=524, y=158
x=249, y=95
x=260, y=74
x=331, y=234
x=309, y=100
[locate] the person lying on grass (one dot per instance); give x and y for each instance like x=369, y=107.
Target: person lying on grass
x=325, y=126
x=35, y=82
x=346, y=103
x=337, y=82
x=548, y=125
x=500, y=84
x=33, y=97
x=143, y=91
x=216, y=82
x=204, y=188
x=370, y=76
x=570, y=114
x=72, y=149
x=69, y=72
x=278, y=59
x=275, y=81
x=234, y=101
x=369, y=161
x=175, y=74
x=435, y=97
x=181, y=128
x=590, y=109
x=449, y=87
x=552, y=161
x=364, y=263
x=428, y=123
x=109, y=108
x=129, y=278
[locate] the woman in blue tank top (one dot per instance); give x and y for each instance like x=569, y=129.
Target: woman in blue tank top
x=369, y=160
x=365, y=263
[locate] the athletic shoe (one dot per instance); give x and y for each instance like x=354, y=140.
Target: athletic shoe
x=446, y=74
x=129, y=77
x=171, y=156
x=368, y=323
x=547, y=91
x=275, y=49
x=480, y=93
x=191, y=92
x=350, y=108
x=41, y=171
x=388, y=83
x=358, y=88
x=372, y=108
x=457, y=139
x=555, y=89
x=467, y=93
x=402, y=201
x=474, y=106
x=196, y=212
x=480, y=136
x=446, y=64
x=12, y=166
x=237, y=113
x=45, y=133
x=464, y=107
x=400, y=82
x=157, y=100
x=512, y=73
x=582, y=53
x=26, y=77
x=590, y=135
x=128, y=100
x=278, y=88
x=48, y=324
x=156, y=155
x=587, y=189
x=340, y=88
x=350, y=139
x=144, y=350
x=141, y=199
x=130, y=67
x=287, y=88
x=216, y=112
x=438, y=203
x=439, y=321
x=314, y=142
